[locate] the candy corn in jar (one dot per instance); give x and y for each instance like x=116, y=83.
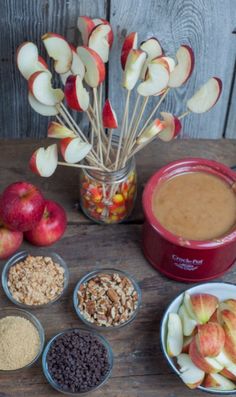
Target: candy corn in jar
x=108, y=197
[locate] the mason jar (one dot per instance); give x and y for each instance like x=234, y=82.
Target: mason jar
x=108, y=197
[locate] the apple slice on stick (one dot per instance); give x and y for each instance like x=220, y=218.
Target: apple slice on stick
x=188, y=323
x=153, y=49
x=58, y=49
x=170, y=61
x=110, y=37
x=59, y=131
x=40, y=86
x=77, y=66
x=85, y=26
x=44, y=110
x=94, y=66
x=44, y=161
x=133, y=67
x=191, y=375
x=184, y=67
x=98, y=41
x=150, y=132
x=76, y=95
x=74, y=150
x=130, y=43
x=157, y=79
x=109, y=121
x=172, y=127
x=28, y=61
x=174, y=341
x=218, y=382
x=206, y=97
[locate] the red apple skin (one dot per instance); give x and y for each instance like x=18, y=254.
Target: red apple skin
x=51, y=227
x=10, y=241
x=63, y=145
x=225, y=372
x=127, y=46
x=210, y=339
x=70, y=93
x=21, y=206
x=198, y=359
x=108, y=118
x=110, y=34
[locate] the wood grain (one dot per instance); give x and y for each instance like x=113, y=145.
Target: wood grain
x=206, y=26
x=140, y=369
x=27, y=20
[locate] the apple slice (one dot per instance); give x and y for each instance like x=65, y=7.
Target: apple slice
x=150, y=132
x=74, y=150
x=130, y=43
x=99, y=21
x=94, y=66
x=98, y=41
x=109, y=118
x=44, y=161
x=172, y=127
x=171, y=63
x=59, y=50
x=153, y=49
x=133, y=67
x=207, y=364
x=188, y=323
x=224, y=359
x=229, y=372
x=201, y=306
x=157, y=79
x=57, y=130
x=191, y=375
x=210, y=339
x=229, y=325
x=40, y=86
x=40, y=108
x=174, y=341
x=186, y=344
x=184, y=67
x=218, y=382
x=229, y=304
x=76, y=95
x=85, y=26
x=206, y=97
x=28, y=61
x=77, y=66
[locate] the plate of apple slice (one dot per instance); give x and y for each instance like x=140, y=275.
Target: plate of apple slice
x=198, y=337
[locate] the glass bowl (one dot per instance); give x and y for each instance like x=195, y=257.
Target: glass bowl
x=84, y=332
x=93, y=274
x=30, y=317
x=222, y=291
x=18, y=258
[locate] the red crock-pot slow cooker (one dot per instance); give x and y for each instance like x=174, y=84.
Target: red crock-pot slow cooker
x=177, y=258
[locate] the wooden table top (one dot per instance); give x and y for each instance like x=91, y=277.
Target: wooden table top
x=140, y=369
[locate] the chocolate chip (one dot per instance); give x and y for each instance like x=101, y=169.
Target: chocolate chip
x=77, y=361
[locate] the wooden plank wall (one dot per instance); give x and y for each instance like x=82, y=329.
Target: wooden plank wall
x=206, y=25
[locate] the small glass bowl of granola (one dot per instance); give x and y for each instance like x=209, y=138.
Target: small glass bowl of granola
x=107, y=299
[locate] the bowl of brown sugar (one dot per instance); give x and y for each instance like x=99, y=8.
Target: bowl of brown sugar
x=34, y=281
x=21, y=339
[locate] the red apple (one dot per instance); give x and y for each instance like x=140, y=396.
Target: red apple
x=130, y=43
x=51, y=226
x=10, y=241
x=210, y=339
x=21, y=206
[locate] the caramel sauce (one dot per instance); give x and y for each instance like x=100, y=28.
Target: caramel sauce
x=195, y=206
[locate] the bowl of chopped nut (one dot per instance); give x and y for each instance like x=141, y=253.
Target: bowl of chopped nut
x=34, y=281
x=107, y=298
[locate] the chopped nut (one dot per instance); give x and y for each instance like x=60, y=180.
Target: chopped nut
x=107, y=299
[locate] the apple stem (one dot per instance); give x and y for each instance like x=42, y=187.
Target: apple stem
x=184, y=114
x=154, y=111
x=122, y=130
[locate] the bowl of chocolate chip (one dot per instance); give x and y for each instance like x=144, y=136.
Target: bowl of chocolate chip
x=77, y=361
x=107, y=299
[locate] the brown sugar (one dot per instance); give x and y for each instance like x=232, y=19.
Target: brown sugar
x=19, y=342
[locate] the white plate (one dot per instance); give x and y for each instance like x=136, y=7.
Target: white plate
x=223, y=291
